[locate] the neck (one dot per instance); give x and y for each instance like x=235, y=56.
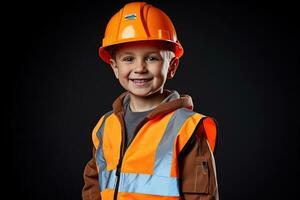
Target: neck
x=140, y=104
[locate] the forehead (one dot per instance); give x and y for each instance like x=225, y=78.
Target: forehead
x=155, y=46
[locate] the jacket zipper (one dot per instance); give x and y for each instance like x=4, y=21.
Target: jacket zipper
x=123, y=149
x=118, y=172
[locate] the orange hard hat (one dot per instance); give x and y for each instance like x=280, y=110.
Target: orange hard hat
x=139, y=21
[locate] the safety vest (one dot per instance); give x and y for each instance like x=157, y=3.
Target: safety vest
x=148, y=168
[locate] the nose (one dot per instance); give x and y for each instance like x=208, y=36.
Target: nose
x=141, y=66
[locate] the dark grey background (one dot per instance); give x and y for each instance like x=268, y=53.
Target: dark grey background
x=239, y=66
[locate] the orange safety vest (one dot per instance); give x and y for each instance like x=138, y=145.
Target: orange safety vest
x=149, y=168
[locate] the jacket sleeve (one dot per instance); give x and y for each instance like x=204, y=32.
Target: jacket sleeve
x=91, y=189
x=198, y=177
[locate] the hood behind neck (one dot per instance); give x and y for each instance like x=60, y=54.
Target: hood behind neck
x=172, y=102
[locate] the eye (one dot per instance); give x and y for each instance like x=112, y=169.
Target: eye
x=127, y=59
x=152, y=58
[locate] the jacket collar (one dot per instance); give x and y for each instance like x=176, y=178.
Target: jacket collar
x=172, y=102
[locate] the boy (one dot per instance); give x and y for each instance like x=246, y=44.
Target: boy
x=152, y=145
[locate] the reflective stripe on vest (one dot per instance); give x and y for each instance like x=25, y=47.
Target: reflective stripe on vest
x=99, y=153
x=140, y=183
x=162, y=177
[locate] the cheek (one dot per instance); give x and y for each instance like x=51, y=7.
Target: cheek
x=160, y=71
x=123, y=72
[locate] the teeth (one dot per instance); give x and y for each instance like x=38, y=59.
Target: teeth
x=139, y=80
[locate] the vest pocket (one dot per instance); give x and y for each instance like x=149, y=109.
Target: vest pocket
x=201, y=183
x=196, y=169
x=195, y=178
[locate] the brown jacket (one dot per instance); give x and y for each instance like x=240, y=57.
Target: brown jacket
x=198, y=179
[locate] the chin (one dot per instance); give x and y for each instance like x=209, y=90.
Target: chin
x=144, y=93
x=140, y=94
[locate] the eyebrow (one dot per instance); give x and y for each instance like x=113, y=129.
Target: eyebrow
x=130, y=53
x=124, y=54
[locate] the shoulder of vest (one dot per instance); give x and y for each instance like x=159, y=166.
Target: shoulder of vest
x=186, y=111
x=102, y=120
x=206, y=126
x=95, y=132
x=108, y=114
x=210, y=127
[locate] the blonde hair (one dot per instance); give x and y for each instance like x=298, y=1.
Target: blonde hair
x=164, y=45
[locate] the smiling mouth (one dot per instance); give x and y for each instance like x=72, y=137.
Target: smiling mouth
x=140, y=81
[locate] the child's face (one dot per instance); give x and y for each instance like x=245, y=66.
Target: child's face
x=142, y=69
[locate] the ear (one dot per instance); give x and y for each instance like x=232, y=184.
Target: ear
x=114, y=67
x=173, y=67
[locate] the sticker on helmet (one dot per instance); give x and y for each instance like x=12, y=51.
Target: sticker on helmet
x=130, y=16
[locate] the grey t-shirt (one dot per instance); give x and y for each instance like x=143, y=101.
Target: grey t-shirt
x=132, y=119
